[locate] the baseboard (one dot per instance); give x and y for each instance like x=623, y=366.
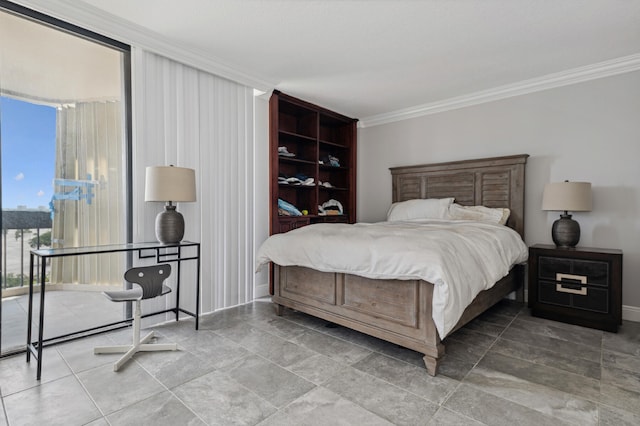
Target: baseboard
x=261, y=290
x=631, y=313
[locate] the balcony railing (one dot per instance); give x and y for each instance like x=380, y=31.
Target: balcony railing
x=22, y=230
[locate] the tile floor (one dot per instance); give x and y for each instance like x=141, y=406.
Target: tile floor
x=65, y=310
x=247, y=366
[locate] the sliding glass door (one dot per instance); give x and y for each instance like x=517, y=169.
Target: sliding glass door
x=64, y=152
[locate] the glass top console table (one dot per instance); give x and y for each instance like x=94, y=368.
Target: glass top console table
x=155, y=251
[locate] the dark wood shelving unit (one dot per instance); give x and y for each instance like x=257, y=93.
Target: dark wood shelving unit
x=312, y=133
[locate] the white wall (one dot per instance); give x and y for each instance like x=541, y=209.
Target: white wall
x=583, y=132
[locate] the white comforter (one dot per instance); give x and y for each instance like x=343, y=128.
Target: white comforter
x=461, y=258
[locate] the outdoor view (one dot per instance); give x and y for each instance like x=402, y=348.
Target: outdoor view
x=28, y=136
x=62, y=174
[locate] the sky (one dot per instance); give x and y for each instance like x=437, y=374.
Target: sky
x=28, y=136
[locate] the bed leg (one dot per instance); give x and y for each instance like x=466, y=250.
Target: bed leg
x=431, y=363
x=279, y=310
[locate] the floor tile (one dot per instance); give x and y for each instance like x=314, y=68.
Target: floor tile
x=485, y=327
x=508, y=307
x=16, y=374
x=219, y=400
x=548, y=401
x=337, y=349
x=322, y=407
x=620, y=398
x=303, y=319
x=355, y=337
x=409, y=377
x=3, y=416
x=317, y=369
x=626, y=340
x=178, y=331
x=172, y=368
x=446, y=417
x=620, y=360
x=278, y=326
x=561, y=331
x=454, y=368
x=522, y=334
x=113, y=390
x=396, y=405
x=610, y=416
x=269, y=381
x=470, y=337
x=99, y=422
x=274, y=348
x=497, y=317
x=574, y=384
x=492, y=410
x=222, y=319
x=60, y=402
x=404, y=354
x=547, y=357
x=79, y=353
x=159, y=410
x=215, y=349
x=463, y=351
x=618, y=377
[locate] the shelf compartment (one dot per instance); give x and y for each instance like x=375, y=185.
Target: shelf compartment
x=335, y=130
x=297, y=120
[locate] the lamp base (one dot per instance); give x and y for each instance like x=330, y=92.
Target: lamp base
x=169, y=225
x=565, y=231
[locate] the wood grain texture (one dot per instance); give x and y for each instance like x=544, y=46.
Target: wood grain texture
x=400, y=311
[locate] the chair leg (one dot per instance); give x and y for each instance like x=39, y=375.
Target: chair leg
x=117, y=349
x=138, y=345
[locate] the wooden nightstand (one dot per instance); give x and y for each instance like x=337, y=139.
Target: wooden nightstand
x=580, y=285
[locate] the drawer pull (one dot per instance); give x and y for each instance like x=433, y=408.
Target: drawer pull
x=581, y=292
x=579, y=278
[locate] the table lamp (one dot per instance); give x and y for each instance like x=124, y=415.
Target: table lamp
x=170, y=184
x=566, y=196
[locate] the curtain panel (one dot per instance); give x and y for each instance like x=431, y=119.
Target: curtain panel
x=189, y=118
x=88, y=191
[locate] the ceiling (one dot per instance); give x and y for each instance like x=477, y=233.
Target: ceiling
x=366, y=58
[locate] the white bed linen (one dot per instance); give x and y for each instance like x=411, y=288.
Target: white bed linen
x=461, y=258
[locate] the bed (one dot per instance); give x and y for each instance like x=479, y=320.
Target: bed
x=400, y=310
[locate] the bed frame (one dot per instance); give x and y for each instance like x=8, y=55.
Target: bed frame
x=400, y=311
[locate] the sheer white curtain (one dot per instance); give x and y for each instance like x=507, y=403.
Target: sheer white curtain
x=89, y=191
x=189, y=118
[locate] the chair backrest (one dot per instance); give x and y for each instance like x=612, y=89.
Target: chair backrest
x=150, y=278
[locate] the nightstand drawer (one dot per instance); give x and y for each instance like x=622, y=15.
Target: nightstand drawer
x=577, y=296
x=579, y=285
x=573, y=270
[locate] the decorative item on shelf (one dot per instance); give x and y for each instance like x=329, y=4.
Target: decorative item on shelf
x=330, y=208
x=566, y=196
x=287, y=209
x=284, y=152
x=170, y=184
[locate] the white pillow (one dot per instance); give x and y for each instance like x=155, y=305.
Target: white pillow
x=479, y=213
x=431, y=208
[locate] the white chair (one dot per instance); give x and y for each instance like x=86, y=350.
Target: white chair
x=150, y=280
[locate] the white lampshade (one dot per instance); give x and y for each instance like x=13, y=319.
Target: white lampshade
x=169, y=183
x=567, y=196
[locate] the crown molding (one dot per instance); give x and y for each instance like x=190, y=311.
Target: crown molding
x=91, y=18
x=576, y=75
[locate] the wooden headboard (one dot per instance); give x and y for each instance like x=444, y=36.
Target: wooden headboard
x=491, y=182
